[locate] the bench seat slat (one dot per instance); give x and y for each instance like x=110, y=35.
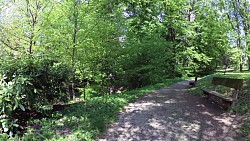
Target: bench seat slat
x=226, y=98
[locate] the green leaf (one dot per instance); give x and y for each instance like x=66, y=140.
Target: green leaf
x=22, y=107
x=35, y=91
x=16, y=104
x=7, y=99
x=11, y=134
x=15, y=125
x=3, y=109
x=5, y=129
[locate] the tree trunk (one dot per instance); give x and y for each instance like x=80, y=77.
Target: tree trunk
x=75, y=16
x=72, y=91
x=248, y=48
x=239, y=41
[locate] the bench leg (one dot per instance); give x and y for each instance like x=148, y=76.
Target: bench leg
x=230, y=105
x=209, y=97
x=233, y=103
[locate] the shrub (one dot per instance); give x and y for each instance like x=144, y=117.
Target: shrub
x=33, y=83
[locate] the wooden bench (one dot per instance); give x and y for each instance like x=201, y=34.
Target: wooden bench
x=225, y=101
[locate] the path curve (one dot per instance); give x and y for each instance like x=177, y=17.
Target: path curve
x=172, y=114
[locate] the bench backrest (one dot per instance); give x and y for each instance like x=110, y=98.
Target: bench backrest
x=228, y=82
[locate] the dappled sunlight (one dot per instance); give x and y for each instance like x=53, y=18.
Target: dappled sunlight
x=200, y=105
x=225, y=120
x=172, y=114
x=170, y=101
x=141, y=106
x=206, y=113
x=157, y=124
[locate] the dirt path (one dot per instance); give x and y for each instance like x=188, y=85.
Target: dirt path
x=172, y=114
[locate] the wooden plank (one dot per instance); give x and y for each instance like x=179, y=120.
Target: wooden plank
x=222, y=96
x=228, y=82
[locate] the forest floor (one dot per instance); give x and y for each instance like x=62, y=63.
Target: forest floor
x=173, y=114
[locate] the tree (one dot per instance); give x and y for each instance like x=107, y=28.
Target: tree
x=237, y=13
x=22, y=25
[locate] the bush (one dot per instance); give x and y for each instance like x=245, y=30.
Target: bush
x=32, y=83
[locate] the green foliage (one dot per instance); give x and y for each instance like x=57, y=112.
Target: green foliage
x=34, y=83
x=232, y=58
x=11, y=98
x=143, y=62
x=106, y=46
x=245, y=128
x=243, y=106
x=85, y=120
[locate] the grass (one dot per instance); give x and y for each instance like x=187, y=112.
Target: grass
x=85, y=120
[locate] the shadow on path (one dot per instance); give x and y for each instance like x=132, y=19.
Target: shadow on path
x=172, y=114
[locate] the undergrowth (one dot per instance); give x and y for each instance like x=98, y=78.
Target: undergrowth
x=84, y=120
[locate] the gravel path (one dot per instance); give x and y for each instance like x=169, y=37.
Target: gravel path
x=172, y=114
